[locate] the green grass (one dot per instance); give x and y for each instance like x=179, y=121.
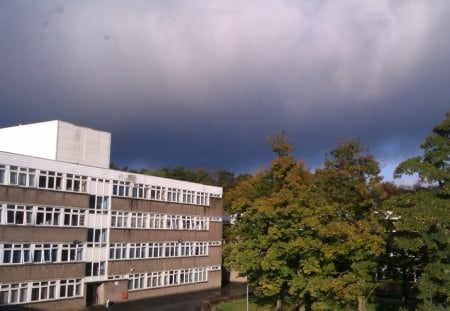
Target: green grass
x=380, y=304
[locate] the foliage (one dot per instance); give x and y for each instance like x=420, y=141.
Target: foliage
x=348, y=196
x=422, y=222
x=312, y=238
x=268, y=208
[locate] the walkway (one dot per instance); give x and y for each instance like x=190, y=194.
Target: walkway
x=184, y=302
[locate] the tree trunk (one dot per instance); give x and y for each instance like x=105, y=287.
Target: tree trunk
x=301, y=306
x=279, y=304
x=361, y=303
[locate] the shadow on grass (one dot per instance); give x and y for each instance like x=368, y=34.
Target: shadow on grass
x=384, y=304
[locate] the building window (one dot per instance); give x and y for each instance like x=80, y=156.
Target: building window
x=74, y=217
x=2, y=174
x=202, y=198
x=71, y=252
x=201, y=249
x=22, y=176
x=69, y=288
x=13, y=293
x=200, y=275
x=19, y=214
x=157, y=193
x=76, y=183
x=16, y=253
x=136, y=281
x=48, y=216
x=118, y=251
x=155, y=249
x=43, y=290
x=22, y=253
x=186, y=248
x=155, y=279
x=171, y=249
x=173, y=194
x=171, y=277
x=188, y=196
x=98, y=204
x=137, y=191
x=201, y=223
x=172, y=221
x=137, y=220
x=119, y=220
x=187, y=223
x=95, y=268
x=39, y=291
x=137, y=250
x=156, y=221
x=96, y=237
x=167, y=278
x=50, y=180
x=121, y=188
x=45, y=253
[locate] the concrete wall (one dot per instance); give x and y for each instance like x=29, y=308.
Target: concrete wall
x=83, y=145
x=136, y=235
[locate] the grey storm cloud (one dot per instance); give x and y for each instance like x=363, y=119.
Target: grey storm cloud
x=201, y=83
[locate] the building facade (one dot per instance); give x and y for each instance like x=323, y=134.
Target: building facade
x=75, y=233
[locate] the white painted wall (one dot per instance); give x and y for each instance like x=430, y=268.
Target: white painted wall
x=37, y=139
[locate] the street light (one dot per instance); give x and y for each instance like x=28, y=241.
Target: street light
x=247, y=293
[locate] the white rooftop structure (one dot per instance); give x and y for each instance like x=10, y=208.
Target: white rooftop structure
x=58, y=140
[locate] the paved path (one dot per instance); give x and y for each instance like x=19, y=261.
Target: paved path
x=183, y=302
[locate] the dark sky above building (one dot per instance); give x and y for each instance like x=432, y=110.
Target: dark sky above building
x=203, y=83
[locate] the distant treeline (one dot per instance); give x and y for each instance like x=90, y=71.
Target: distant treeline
x=220, y=177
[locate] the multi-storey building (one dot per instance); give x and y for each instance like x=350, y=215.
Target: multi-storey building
x=74, y=232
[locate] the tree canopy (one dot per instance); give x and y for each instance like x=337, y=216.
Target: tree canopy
x=422, y=221
x=309, y=237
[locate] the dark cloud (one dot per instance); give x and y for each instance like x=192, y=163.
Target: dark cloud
x=202, y=84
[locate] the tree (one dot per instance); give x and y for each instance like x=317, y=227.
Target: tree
x=348, y=201
x=267, y=207
x=423, y=221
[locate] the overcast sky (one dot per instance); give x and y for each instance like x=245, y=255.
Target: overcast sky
x=203, y=83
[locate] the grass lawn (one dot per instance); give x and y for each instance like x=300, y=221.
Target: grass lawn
x=380, y=304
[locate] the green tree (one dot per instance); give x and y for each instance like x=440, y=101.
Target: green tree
x=267, y=208
x=348, y=202
x=422, y=221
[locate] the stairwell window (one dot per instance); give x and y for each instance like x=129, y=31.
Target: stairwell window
x=2, y=174
x=96, y=237
x=95, y=268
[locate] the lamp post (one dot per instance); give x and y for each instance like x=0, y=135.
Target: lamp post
x=247, y=293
